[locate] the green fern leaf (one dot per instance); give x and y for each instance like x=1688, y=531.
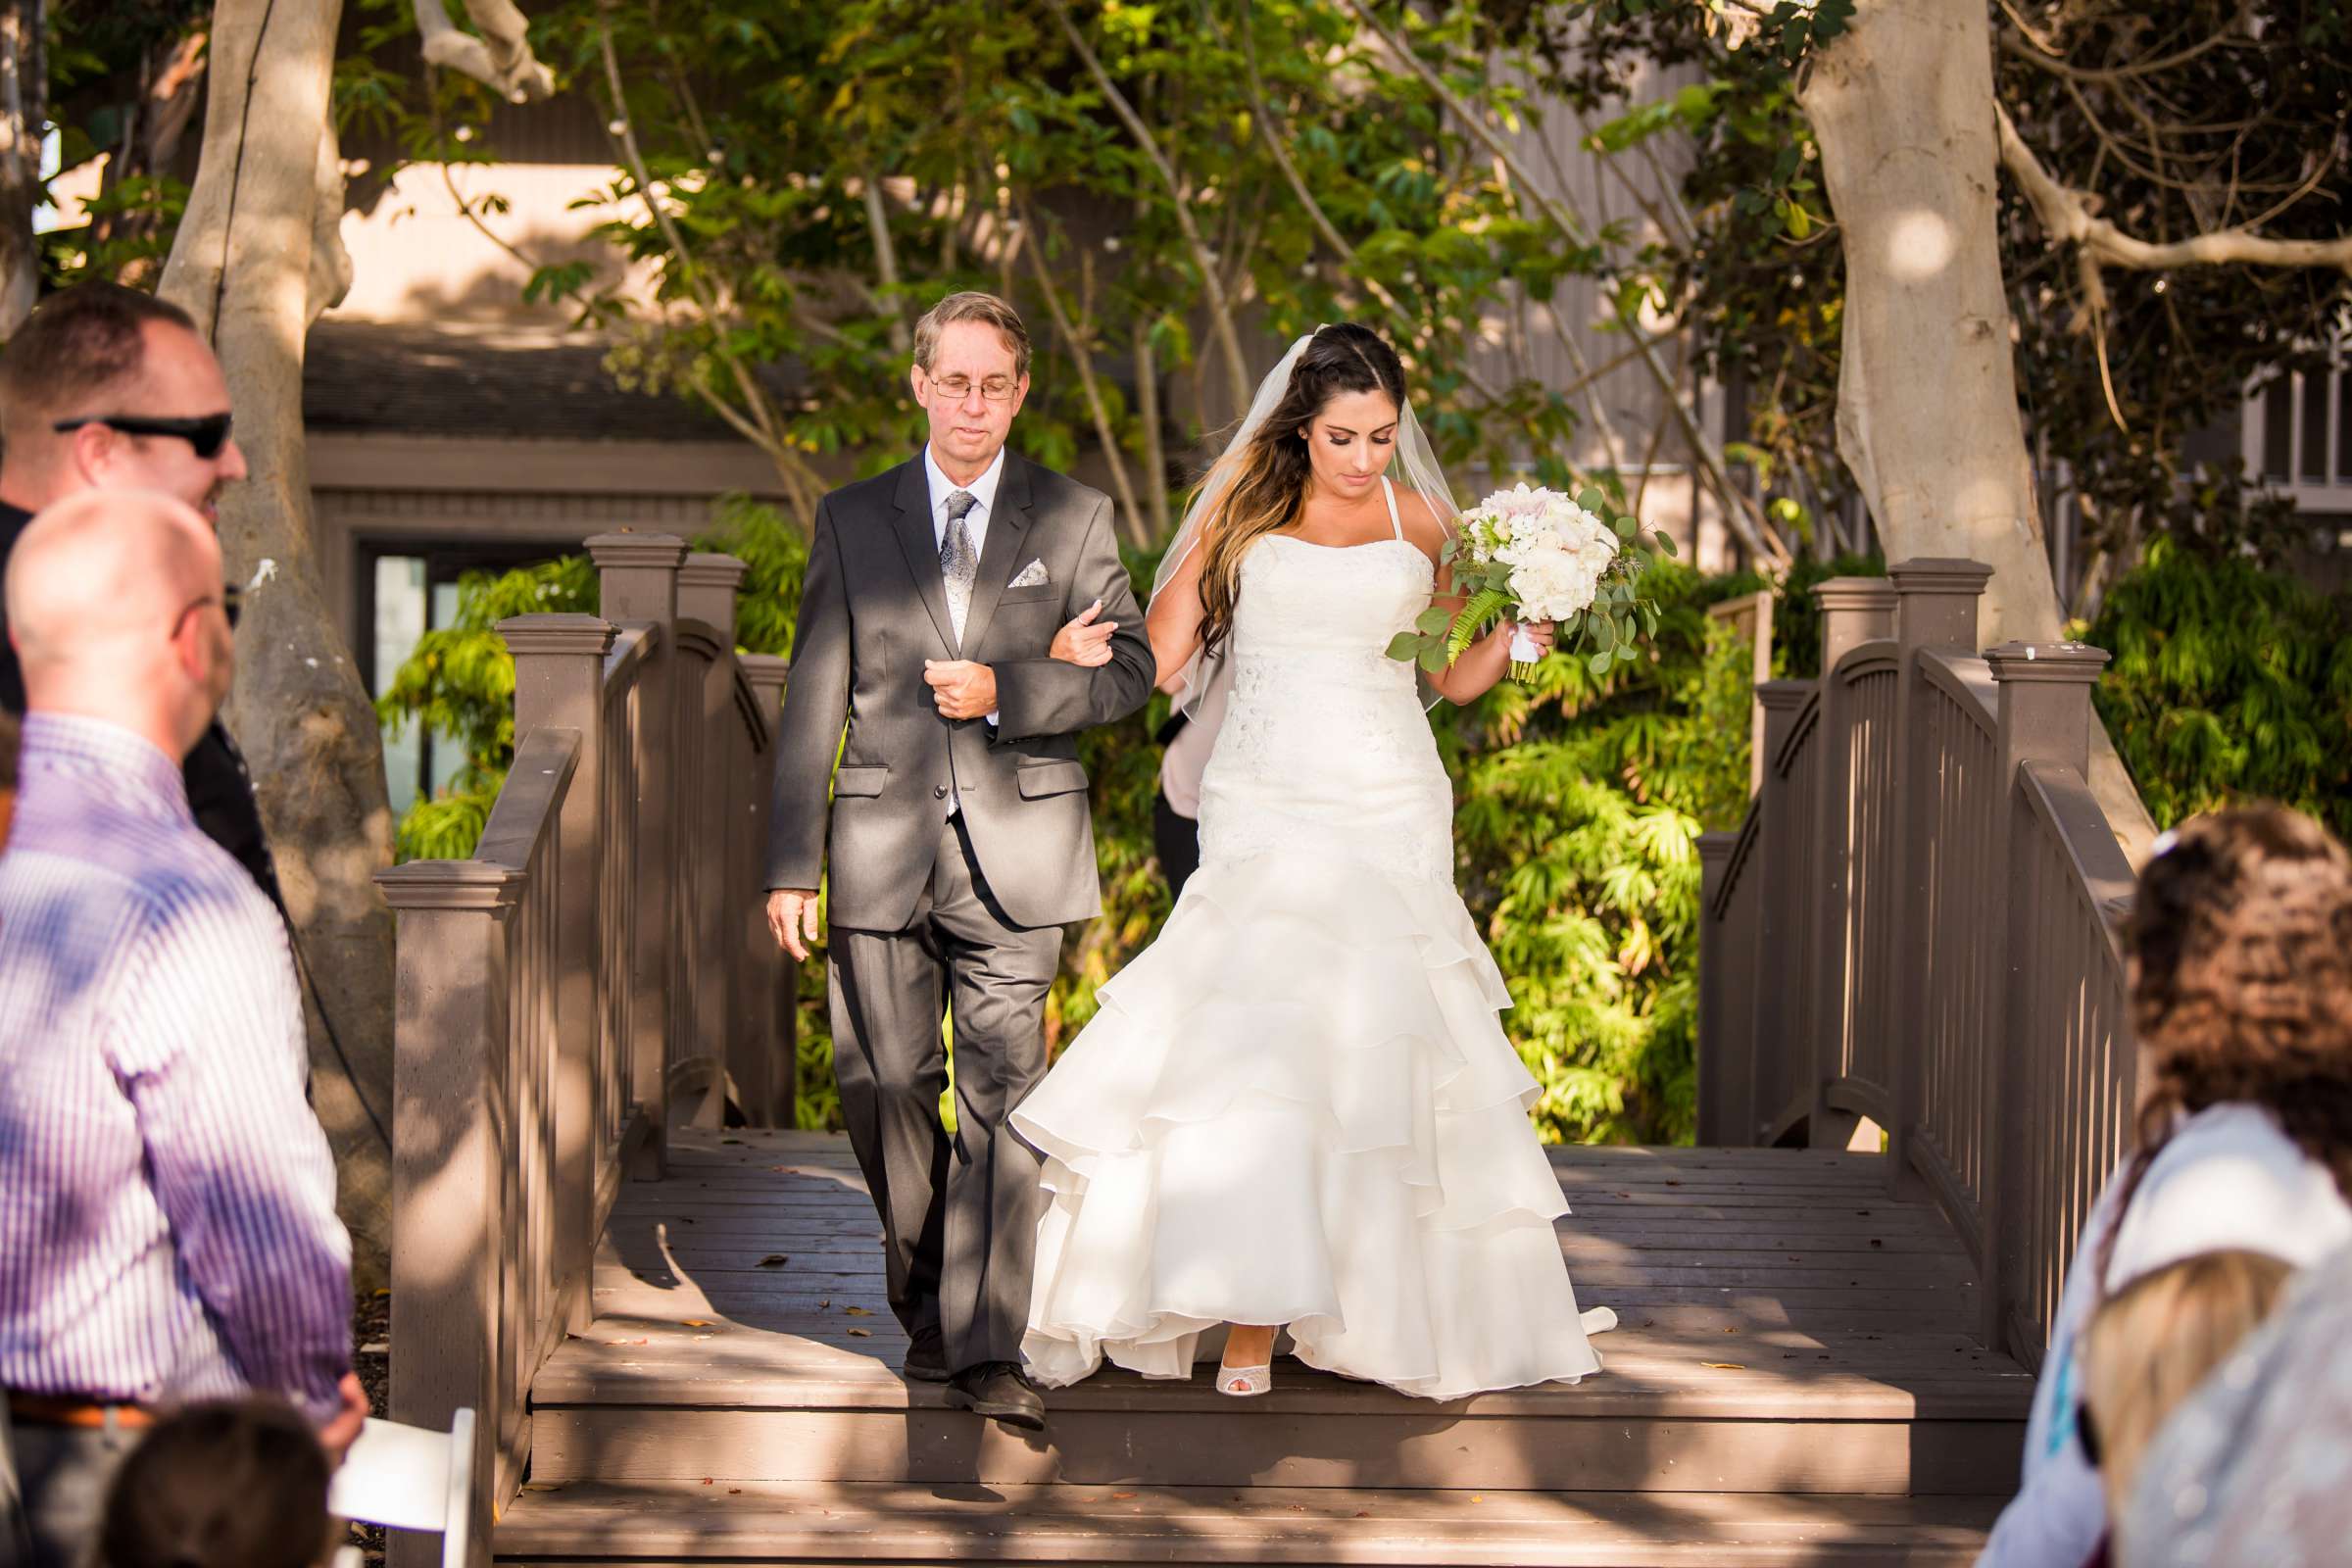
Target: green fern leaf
x=1473, y=619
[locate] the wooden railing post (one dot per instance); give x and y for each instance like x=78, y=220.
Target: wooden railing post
x=1775, y=1032
x=560, y=681
x=1853, y=611
x=1936, y=607
x=2045, y=716
x=1725, y=1043
x=639, y=576
x=452, y=1143
x=706, y=585
x=768, y=1009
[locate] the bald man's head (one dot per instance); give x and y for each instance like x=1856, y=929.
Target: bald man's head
x=114, y=604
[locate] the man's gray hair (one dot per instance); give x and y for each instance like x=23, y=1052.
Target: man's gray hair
x=972, y=305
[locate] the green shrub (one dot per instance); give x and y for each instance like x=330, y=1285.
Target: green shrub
x=2230, y=681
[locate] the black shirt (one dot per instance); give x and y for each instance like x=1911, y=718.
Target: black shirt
x=219, y=791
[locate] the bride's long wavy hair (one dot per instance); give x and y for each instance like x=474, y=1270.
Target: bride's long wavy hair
x=1270, y=472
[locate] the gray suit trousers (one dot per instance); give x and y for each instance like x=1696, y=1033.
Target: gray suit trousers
x=964, y=1209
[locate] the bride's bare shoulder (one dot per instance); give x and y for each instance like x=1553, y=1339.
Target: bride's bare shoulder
x=1419, y=521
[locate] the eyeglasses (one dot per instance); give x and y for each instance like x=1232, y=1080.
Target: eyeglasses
x=207, y=433
x=230, y=599
x=955, y=388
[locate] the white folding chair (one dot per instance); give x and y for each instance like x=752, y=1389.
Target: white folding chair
x=411, y=1478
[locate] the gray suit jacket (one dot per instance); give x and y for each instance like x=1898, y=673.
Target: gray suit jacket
x=873, y=609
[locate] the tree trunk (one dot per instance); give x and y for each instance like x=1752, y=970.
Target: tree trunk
x=24, y=110
x=255, y=262
x=1902, y=105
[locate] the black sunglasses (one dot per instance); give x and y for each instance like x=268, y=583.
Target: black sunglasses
x=207, y=433
x=2087, y=1431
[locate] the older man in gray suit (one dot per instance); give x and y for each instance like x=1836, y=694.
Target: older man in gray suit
x=959, y=842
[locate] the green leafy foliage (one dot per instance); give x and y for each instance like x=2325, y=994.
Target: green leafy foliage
x=1580, y=801
x=2230, y=683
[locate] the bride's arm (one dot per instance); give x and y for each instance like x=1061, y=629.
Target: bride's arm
x=1484, y=661
x=1174, y=622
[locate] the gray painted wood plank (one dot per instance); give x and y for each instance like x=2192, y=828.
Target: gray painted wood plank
x=842, y=1524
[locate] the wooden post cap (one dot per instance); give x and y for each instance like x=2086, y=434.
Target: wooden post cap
x=2046, y=662
x=658, y=550
x=1939, y=575
x=704, y=568
x=526, y=635
x=1862, y=594
x=449, y=885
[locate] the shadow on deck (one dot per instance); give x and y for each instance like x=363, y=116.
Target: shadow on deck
x=1792, y=1380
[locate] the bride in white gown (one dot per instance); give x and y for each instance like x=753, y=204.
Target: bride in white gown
x=1297, y=1109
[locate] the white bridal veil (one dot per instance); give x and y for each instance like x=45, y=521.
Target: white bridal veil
x=1412, y=465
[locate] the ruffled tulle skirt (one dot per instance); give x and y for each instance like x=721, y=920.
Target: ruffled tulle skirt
x=1298, y=1106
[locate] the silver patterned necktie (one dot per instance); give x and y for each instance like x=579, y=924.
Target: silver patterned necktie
x=959, y=561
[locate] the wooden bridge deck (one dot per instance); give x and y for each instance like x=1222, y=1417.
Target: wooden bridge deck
x=1793, y=1382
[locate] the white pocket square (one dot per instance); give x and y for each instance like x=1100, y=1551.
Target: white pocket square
x=1033, y=576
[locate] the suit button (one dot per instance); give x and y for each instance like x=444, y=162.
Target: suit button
x=939, y=792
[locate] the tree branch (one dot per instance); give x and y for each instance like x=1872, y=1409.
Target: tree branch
x=500, y=60
x=1212, y=284
x=1083, y=361
x=2066, y=212
x=2033, y=50
x=886, y=261
x=1746, y=520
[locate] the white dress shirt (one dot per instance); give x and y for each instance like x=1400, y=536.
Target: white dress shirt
x=983, y=491
x=975, y=522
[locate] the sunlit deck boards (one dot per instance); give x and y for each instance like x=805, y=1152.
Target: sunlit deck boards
x=1791, y=1382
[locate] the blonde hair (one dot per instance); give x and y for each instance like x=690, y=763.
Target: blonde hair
x=972, y=305
x=2154, y=1341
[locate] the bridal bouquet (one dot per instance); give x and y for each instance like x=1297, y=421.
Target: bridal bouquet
x=1538, y=554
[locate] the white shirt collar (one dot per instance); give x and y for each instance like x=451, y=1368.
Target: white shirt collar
x=983, y=489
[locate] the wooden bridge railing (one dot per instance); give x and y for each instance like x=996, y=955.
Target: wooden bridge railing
x=588, y=977
x=1917, y=924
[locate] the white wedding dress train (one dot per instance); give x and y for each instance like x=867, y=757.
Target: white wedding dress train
x=1296, y=1105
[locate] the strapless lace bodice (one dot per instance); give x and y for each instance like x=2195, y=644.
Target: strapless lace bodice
x=1323, y=731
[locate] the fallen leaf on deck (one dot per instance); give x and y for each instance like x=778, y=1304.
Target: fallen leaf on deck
x=1724, y=1366
x=707, y=1481
x=862, y=1334
x=774, y=1260
x=856, y=1311
x=694, y=1322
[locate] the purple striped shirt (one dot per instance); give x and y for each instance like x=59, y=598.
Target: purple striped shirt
x=167, y=1226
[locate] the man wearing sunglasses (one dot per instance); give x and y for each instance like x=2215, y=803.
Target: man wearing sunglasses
x=106, y=388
